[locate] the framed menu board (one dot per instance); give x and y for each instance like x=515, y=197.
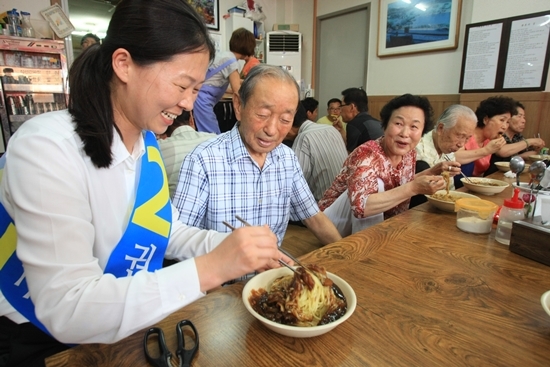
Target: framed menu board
x=506, y=55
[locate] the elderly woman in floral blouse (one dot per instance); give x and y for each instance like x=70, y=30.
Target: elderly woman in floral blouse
x=378, y=179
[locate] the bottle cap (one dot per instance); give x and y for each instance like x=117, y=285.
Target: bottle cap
x=514, y=202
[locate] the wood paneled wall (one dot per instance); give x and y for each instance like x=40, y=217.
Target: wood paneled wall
x=537, y=108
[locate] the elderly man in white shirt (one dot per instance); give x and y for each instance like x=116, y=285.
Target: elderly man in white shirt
x=452, y=130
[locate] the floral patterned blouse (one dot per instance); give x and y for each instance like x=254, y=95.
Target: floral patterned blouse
x=360, y=174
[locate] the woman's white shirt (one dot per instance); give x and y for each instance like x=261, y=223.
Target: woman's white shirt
x=69, y=216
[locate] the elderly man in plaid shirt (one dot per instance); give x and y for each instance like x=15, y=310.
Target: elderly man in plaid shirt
x=247, y=171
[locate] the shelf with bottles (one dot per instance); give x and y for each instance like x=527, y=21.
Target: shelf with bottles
x=21, y=107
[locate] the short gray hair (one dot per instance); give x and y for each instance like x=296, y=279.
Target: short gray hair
x=262, y=71
x=450, y=116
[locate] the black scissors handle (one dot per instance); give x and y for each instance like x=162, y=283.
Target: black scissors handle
x=186, y=355
x=163, y=360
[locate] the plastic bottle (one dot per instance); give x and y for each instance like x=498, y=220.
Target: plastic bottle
x=13, y=22
x=512, y=210
x=26, y=27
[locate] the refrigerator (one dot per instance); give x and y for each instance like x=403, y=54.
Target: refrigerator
x=33, y=74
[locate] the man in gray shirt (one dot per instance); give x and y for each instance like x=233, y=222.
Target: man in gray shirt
x=320, y=151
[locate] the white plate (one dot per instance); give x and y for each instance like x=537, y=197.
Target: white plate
x=524, y=186
x=545, y=301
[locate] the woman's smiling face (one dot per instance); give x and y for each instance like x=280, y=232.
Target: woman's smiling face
x=404, y=131
x=154, y=95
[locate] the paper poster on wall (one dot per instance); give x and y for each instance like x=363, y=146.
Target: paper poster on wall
x=526, y=52
x=506, y=55
x=480, y=71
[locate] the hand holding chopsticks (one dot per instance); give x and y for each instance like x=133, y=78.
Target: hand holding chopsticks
x=462, y=173
x=228, y=225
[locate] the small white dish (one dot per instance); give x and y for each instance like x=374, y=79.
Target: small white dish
x=545, y=301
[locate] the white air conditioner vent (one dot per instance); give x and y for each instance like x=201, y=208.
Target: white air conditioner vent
x=284, y=49
x=284, y=42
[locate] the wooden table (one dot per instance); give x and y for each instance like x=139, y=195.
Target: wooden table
x=428, y=294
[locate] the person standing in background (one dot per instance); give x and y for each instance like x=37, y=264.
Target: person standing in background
x=223, y=72
x=250, y=62
x=88, y=39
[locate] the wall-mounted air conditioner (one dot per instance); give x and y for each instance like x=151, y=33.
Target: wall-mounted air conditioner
x=284, y=49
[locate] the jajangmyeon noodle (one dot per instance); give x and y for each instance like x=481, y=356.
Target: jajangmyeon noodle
x=306, y=298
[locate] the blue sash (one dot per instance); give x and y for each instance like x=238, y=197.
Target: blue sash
x=141, y=247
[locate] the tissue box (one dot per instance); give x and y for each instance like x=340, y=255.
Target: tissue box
x=531, y=239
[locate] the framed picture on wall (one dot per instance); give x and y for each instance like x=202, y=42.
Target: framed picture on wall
x=209, y=10
x=412, y=26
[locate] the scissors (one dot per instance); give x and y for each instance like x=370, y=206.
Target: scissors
x=185, y=356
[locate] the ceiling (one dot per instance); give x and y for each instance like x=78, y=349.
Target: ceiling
x=90, y=16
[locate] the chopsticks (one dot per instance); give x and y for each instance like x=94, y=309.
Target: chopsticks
x=462, y=173
x=280, y=249
x=290, y=256
x=248, y=225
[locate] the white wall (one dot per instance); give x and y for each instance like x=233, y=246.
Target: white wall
x=301, y=13
x=425, y=73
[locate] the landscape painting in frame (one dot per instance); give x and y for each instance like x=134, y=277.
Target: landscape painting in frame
x=410, y=26
x=209, y=11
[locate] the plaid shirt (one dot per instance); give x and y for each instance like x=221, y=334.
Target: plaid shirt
x=516, y=138
x=219, y=180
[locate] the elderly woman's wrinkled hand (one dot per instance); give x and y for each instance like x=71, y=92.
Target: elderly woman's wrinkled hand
x=447, y=166
x=428, y=185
